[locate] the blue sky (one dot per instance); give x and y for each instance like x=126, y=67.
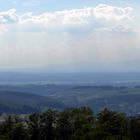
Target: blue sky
x=69, y=35
x=38, y=6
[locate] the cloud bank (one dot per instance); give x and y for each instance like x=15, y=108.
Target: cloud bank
x=92, y=38
x=66, y=18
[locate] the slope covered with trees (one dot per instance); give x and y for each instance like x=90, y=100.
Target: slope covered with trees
x=37, y=97
x=71, y=124
x=18, y=102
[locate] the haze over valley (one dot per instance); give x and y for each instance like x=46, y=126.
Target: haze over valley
x=69, y=53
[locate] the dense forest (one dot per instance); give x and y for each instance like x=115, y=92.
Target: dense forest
x=71, y=124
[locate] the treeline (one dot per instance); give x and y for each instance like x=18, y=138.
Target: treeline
x=71, y=124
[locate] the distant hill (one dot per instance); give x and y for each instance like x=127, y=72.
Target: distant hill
x=24, y=103
x=31, y=97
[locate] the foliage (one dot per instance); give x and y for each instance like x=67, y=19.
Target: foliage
x=71, y=124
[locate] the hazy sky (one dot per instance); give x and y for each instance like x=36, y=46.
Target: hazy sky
x=70, y=35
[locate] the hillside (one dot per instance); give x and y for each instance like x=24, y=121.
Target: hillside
x=22, y=103
x=28, y=98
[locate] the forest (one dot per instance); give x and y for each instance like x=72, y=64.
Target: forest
x=71, y=124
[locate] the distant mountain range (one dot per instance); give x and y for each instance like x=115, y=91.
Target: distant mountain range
x=24, y=99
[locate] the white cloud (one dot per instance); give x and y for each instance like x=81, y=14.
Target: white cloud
x=95, y=37
x=108, y=12
x=117, y=29
x=100, y=15
x=76, y=17
x=9, y=17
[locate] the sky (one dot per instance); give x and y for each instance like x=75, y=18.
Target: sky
x=70, y=35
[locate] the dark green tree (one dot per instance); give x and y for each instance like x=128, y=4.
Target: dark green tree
x=64, y=126
x=48, y=125
x=135, y=128
x=73, y=121
x=19, y=132
x=111, y=124
x=34, y=126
